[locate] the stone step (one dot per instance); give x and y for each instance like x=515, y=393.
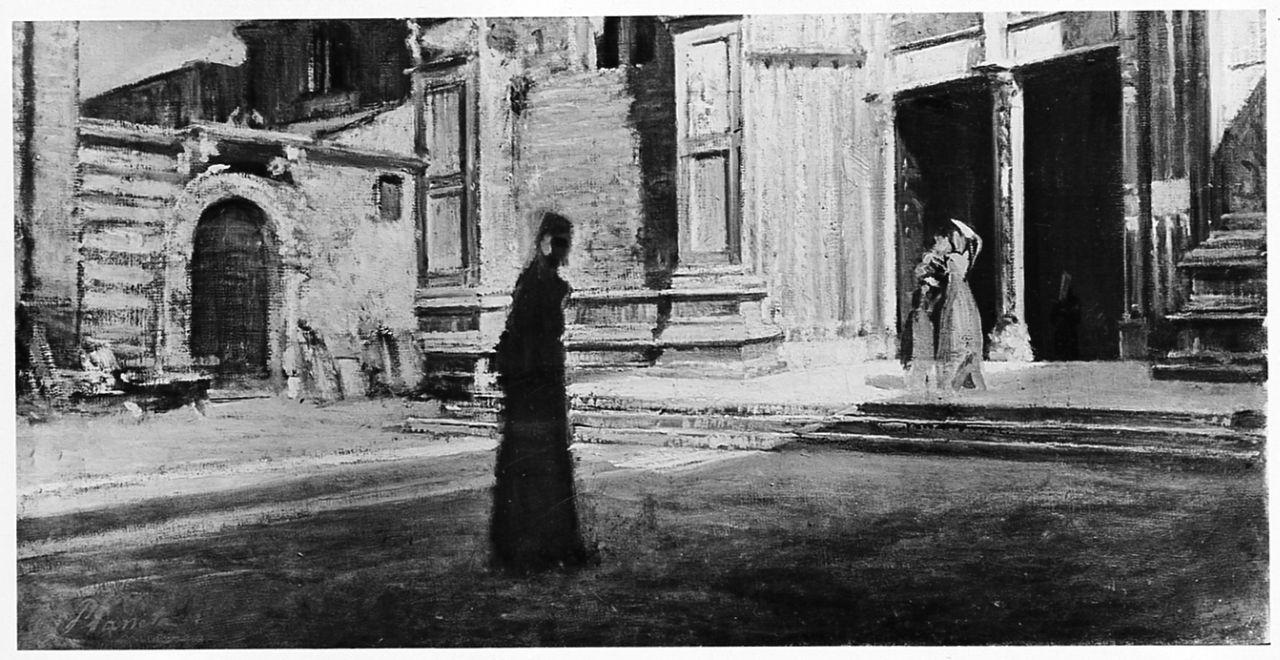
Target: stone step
x=162, y=188
x=1210, y=357
x=475, y=411
x=1230, y=258
x=111, y=276
x=1211, y=373
x=1249, y=220
x=699, y=438
x=1103, y=417
x=448, y=427
x=131, y=240
x=654, y=420
x=120, y=160
x=1222, y=304
x=1254, y=317
x=609, y=359
x=603, y=402
x=1007, y=448
x=1094, y=434
x=137, y=199
x=1240, y=247
x=101, y=211
x=146, y=260
x=1221, y=284
x=120, y=300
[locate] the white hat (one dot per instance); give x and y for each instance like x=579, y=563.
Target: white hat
x=971, y=236
x=966, y=230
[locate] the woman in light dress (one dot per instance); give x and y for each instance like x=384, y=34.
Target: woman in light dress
x=960, y=341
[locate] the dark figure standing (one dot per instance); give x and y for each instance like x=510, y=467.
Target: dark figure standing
x=1065, y=319
x=535, y=520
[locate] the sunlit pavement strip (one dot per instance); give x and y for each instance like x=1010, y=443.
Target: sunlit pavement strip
x=187, y=527
x=53, y=498
x=627, y=459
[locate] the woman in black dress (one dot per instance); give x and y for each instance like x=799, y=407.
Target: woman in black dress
x=535, y=522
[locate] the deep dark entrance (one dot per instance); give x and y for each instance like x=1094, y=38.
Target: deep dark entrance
x=230, y=287
x=1074, y=207
x=945, y=170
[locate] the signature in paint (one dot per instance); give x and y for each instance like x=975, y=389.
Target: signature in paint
x=101, y=616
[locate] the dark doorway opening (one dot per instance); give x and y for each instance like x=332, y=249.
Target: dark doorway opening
x=1074, y=207
x=945, y=170
x=231, y=276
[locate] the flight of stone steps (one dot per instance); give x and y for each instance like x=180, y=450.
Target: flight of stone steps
x=1220, y=332
x=123, y=199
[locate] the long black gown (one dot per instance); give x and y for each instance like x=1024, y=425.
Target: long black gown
x=535, y=523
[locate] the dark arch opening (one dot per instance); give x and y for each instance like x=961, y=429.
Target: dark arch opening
x=232, y=269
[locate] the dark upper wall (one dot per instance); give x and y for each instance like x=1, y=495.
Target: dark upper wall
x=197, y=91
x=304, y=69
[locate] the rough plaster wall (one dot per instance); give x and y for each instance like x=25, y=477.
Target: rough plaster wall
x=501, y=223
x=1237, y=39
x=363, y=268
x=571, y=150
x=580, y=158
x=53, y=143
x=450, y=37
x=801, y=33
x=510, y=52
x=390, y=132
x=811, y=150
x=906, y=28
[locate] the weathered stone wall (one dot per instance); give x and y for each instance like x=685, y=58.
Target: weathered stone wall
x=46, y=73
x=363, y=268
x=579, y=141
x=344, y=270
x=813, y=180
x=390, y=131
x=909, y=28
x=556, y=134
x=579, y=157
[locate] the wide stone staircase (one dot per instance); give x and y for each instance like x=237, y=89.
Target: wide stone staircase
x=1220, y=329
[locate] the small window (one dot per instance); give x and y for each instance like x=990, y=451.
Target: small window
x=387, y=194
x=625, y=40
x=328, y=58
x=643, y=35
x=607, y=43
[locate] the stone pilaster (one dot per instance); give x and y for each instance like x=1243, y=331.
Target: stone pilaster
x=1009, y=340
x=1136, y=175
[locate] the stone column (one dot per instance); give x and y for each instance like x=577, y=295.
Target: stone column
x=1010, y=340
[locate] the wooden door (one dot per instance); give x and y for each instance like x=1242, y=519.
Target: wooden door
x=230, y=277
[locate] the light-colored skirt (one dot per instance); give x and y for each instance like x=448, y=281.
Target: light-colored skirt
x=959, y=325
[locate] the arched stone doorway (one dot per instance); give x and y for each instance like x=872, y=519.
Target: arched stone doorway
x=233, y=278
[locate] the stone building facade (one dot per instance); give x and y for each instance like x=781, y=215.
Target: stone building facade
x=748, y=192
x=277, y=251
x=772, y=223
